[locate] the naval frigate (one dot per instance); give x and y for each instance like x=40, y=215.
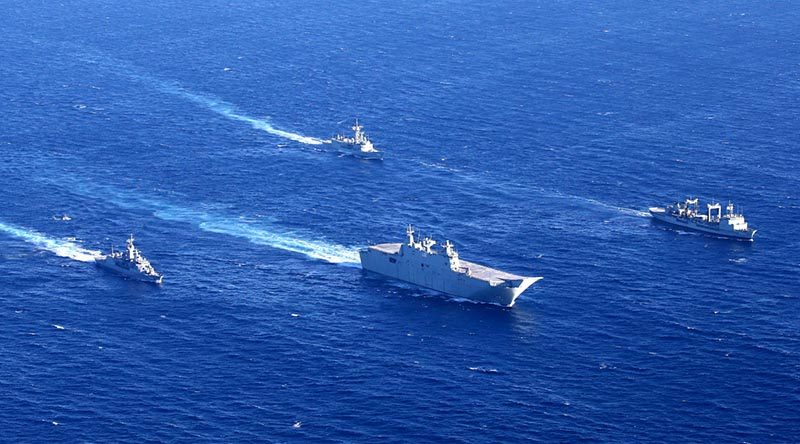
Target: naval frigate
x=687, y=215
x=359, y=145
x=130, y=263
x=418, y=262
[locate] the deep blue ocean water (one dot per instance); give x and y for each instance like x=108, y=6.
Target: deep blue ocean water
x=534, y=134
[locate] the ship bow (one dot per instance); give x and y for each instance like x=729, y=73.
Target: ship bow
x=519, y=286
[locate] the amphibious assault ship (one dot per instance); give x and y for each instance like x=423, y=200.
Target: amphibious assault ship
x=417, y=262
x=687, y=215
x=359, y=145
x=130, y=264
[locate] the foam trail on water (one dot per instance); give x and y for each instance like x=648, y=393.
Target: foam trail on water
x=335, y=254
x=595, y=202
x=229, y=111
x=218, y=106
x=60, y=247
x=259, y=234
x=623, y=210
x=256, y=232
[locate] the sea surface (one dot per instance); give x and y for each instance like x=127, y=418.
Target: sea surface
x=533, y=134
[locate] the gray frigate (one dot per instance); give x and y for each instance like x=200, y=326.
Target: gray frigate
x=130, y=263
x=687, y=215
x=359, y=145
x=418, y=262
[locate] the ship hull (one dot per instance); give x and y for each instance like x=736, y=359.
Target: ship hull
x=355, y=151
x=702, y=227
x=459, y=285
x=109, y=265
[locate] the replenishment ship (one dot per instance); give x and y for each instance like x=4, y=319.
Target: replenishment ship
x=418, y=262
x=359, y=145
x=131, y=264
x=687, y=215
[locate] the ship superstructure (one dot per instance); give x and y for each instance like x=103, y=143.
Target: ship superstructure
x=131, y=264
x=418, y=261
x=687, y=214
x=359, y=145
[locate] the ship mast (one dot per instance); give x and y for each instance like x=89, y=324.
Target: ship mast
x=359, y=135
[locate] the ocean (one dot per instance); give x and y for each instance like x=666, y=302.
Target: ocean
x=533, y=134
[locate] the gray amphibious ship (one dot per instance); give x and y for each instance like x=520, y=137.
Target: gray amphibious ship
x=417, y=262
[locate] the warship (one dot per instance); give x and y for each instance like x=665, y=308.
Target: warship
x=417, y=261
x=359, y=145
x=687, y=215
x=130, y=263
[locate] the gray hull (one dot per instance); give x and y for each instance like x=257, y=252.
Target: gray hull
x=473, y=282
x=110, y=265
x=349, y=149
x=703, y=227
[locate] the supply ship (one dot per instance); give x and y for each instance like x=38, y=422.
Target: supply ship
x=130, y=264
x=417, y=261
x=687, y=215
